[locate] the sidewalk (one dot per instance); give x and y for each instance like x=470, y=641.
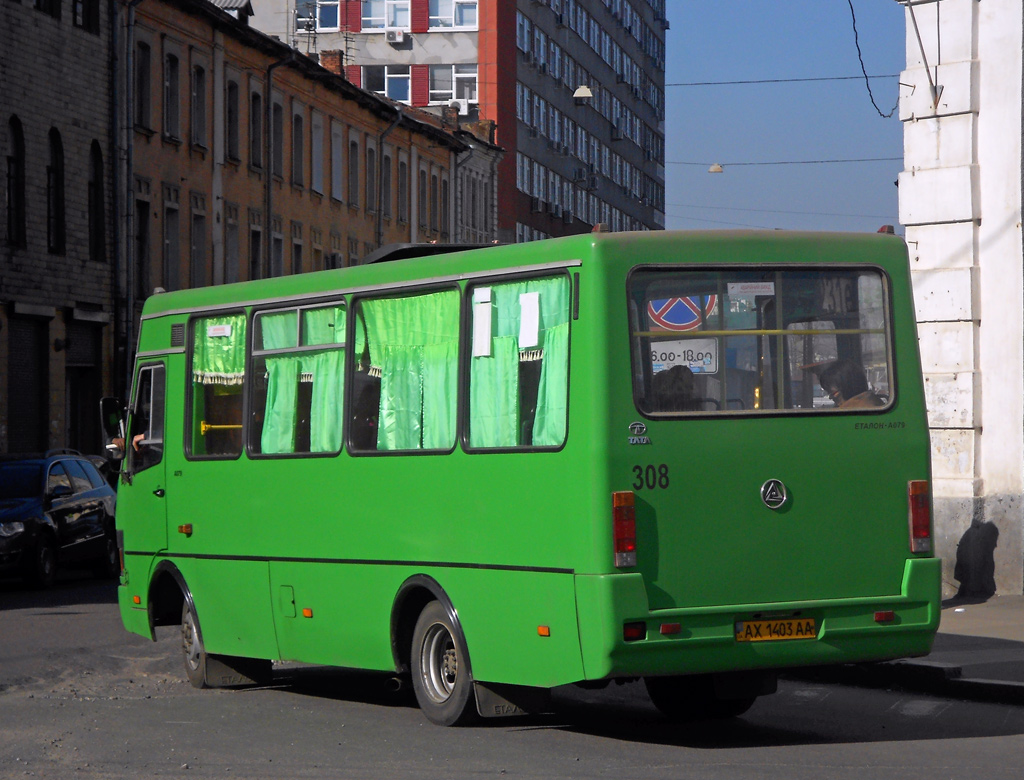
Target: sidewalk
x=978, y=654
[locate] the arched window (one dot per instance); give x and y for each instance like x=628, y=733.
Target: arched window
x=15, y=183
x=55, y=220
x=298, y=150
x=97, y=210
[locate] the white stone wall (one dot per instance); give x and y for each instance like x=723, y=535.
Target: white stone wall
x=960, y=200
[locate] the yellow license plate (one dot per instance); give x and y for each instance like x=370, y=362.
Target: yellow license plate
x=775, y=630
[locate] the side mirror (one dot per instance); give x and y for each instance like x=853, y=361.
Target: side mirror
x=112, y=418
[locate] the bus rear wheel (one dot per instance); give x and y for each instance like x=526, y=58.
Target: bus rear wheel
x=694, y=698
x=440, y=669
x=193, y=652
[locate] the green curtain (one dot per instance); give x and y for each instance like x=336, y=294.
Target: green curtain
x=219, y=359
x=328, y=376
x=279, y=331
x=323, y=326
x=281, y=409
x=414, y=341
x=494, y=380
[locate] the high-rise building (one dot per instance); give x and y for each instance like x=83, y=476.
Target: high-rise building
x=574, y=88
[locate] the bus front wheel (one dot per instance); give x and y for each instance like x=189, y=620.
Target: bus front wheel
x=193, y=652
x=440, y=669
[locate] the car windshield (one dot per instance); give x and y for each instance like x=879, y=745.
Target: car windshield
x=21, y=480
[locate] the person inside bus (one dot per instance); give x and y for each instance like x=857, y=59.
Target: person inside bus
x=674, y=390
x=845, y=382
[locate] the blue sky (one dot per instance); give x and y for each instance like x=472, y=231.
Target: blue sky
x=743, y=40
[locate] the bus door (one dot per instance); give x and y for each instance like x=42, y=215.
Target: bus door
x=141, y=494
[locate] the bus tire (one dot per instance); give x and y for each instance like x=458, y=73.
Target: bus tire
x=692, y=697
x=192, y=651
x=440, y=669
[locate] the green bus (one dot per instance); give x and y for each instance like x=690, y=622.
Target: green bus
x=691, y=458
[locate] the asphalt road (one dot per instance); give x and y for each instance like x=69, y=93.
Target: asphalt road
x=81, y=698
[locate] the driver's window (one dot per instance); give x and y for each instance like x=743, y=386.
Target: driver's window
x=145, y=445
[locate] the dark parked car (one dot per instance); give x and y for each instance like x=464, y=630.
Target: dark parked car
x=55, y=509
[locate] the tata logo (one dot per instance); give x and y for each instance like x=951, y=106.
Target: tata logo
x=638, y=433
x=773, y=493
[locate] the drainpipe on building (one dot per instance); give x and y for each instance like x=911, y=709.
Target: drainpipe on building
x=380, y=177
x=268, y=168
x=125, y=321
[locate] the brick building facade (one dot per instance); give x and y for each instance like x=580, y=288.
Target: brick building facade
x=57, y=259
x=212, y=154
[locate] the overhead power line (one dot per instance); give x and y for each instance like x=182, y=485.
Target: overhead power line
x=789, y=162
x=777, y=81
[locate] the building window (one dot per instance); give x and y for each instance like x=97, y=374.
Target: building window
x=453, y=82
x=231, y=243
x=256, y=130
x=231, y=122
x=386, y=13
x=403, y=191
x=390, y=80
x=172, y=97
x=87, y=15
x=371, y=179
x=421, y=204
x=197, y=238
x=16, y=213
x=316, y=149
x=385, y=194
x=453, y=13
x=142, y=255
x=433, y=203
x=353, y=174
x=55, y=217
x=298, y=150
x=96, y=207
x=277, y=140
x=172, y=239
x=51, y=7
x=337, y=161
x=143, y=86
x=444, y=208
x=199, y=106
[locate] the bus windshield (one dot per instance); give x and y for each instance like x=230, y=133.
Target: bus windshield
x=767, y=340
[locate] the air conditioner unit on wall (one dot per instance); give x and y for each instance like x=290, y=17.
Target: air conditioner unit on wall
x=394, y=36
x=462, y=104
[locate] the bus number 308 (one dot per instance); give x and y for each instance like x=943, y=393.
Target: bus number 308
x=650, y=477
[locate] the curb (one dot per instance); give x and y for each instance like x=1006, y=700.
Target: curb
x=939, y=679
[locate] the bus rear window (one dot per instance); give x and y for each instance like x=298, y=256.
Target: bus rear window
x=800, y=339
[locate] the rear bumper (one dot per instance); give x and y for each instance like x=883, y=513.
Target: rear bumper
x=705, y=642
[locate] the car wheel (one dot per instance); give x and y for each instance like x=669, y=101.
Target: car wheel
x=440, y=669
x=193, y=652
x=693, y=698
x=43, y=567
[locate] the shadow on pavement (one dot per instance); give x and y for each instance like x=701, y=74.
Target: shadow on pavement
x=72, y=588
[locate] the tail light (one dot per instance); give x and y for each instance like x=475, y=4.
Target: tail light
x=920, y=512
x=624, y=528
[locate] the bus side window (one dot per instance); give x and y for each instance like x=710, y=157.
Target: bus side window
x=412, y=344
x=218, y=374
x=298, y=367
x=519, y=364
x=145, y=445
